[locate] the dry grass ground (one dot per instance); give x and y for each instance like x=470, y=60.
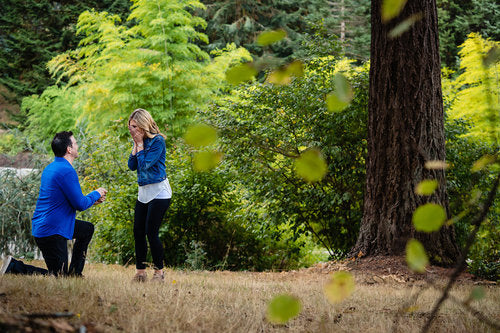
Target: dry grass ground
x=107, y=301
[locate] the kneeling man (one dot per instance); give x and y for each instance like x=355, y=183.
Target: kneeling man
x=53, y=221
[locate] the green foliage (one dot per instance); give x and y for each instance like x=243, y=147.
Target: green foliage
x=51, y=112
x=282, y=308
x=18, y=195
x=458, y=18
x=263, y=130
x=202, y=228
x=472, y=95
x=151, y=62
x=103, y=163
x=34, y=31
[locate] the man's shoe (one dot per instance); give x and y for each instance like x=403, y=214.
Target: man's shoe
x=6, y=265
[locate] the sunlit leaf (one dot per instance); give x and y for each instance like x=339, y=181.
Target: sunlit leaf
x=429, y=217
x=240, y=73
x=483, y=162
x=310, y=165
x=412, y=308
x=282, y=308
x=279, y=77
x=477, y=293
x=416, y=257
x=343, y=88
x=391, y=9
x=200, y=135
x=284, y=75
x=339, y=287
x=492, y=57
x=436, y=165
x=426, y=187
x=206, y=160
x=269, y=37
x=404, y=26
x=334, y=104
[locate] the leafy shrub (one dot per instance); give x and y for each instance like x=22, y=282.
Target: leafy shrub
x=18, y=195
x=200, y=229
x=265, y=127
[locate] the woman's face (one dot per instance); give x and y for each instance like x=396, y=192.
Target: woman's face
x=134, y=128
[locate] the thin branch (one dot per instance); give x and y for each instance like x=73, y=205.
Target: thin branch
x=461, y=264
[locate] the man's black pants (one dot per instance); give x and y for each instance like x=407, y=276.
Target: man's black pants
x=55, y=253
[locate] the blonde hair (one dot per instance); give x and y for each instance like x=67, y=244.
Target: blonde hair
x=145, y=122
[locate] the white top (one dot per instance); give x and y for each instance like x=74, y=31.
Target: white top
x=160, y=190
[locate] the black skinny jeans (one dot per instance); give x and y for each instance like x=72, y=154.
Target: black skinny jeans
x=55, y=253
x=147, y=222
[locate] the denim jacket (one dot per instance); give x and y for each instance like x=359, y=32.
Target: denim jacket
x=150, y=162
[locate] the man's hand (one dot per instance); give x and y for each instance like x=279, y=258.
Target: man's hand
x=102, y=191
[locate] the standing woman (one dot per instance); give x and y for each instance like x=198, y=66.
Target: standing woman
x=148, y=158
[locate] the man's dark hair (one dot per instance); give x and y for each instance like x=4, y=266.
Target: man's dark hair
x=61, y=142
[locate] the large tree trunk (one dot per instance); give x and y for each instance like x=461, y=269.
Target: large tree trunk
x=405, y=129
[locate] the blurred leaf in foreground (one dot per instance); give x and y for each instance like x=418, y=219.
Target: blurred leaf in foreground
x=341, y=96
x=483, y=162
x=284, y=75
x=311, y=166
x=200, y=135
x=391, y=9
x=206, y=160
x=340, y=286
x=240, y=73
x=270, y=37
x=426, y=187
x=436, y=165
x=405, y=25
x=416, y=257
x=282, y=308
x=429, y=217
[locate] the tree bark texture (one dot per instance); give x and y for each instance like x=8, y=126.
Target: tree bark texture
x=405, y=129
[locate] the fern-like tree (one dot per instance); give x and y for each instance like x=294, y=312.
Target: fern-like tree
x=154, y=62
x=405, y=130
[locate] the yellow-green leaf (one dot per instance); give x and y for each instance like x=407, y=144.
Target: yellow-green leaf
x=429, y=217
x=240, y=73
x=481, y=163
x=200, y=135
x=343, y=88
x=477, y=293
x=311, y=166
x=426, y=187
x=284, y=75
x=282, y=308
x=436, y=165
x=339, y=287
x=334, y=104
x=492, y=57
x=391, y=9
x=416, y=257
x=206, y=160
x=270, y=37
x=404, y=26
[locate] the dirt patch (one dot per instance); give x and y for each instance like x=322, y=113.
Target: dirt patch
x=21, y=160
x=388, y=269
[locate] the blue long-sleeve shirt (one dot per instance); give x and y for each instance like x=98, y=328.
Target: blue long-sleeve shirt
x=59, y=198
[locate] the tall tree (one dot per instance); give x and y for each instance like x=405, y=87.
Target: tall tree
x=405, y=130
x=458, y=18
x=34, y=31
